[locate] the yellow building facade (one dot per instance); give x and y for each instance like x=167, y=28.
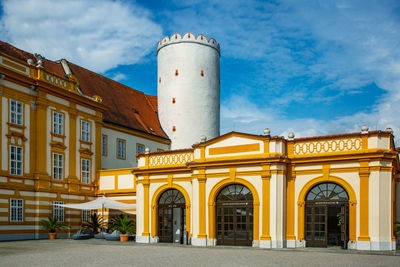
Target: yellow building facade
x=50, y=147
x=271, y=192
x=57, y=133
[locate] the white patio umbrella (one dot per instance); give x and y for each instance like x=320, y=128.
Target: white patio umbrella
x=100, y=203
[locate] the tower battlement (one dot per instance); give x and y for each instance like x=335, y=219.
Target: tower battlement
x=188, y=38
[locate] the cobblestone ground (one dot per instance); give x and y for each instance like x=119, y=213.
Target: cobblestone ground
x=66, y=252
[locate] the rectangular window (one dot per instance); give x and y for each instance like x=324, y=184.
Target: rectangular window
x=58, y=211
x=104, y=145
x=139, y=148
x=85, y=131
x=58, y=123
x=121, y=145
x=16, y=160
x=86, y=214
x=85, y=171
x=16, y=210
x=58, y=161
x=16, y=112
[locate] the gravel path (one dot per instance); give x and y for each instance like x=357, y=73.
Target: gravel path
x=65, y=252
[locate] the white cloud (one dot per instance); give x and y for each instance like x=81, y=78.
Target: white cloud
x=98, y=35
x=334, y=48
x=118, y=76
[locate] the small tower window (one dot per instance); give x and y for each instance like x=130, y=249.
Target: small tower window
x=173, y=100
x=176, y=73
x=202, y=73
x=173, y=128
x=159, y=80
x=189, y=35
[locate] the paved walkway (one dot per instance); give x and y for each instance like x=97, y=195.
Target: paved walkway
x=66, y=252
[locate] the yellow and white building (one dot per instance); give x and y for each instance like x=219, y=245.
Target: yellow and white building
x=56, y=133
x=271, y=192
x=66, y=137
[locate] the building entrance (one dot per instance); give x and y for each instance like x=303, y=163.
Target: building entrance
x=327, y=221
x=171, y=217
x=234, y=215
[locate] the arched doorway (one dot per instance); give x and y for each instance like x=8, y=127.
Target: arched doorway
x=327, y=213
x=171, y=216
x=234, y=216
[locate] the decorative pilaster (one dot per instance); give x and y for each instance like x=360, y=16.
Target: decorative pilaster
x=266, y=178
x=97, y=156
x=364, y=173
x=290, y=203
x=73, y=180
x=146, y=185
x=40, y=173
x=201, y=178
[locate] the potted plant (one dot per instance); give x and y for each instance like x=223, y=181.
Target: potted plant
x=124, y=225
x=51, y=224
x=396, y=231
x=94, y=224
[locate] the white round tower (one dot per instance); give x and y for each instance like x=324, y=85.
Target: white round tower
x=188, y=88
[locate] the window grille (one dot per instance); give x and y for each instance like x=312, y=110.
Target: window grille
x=16, y=160
x=16, y=210
x=57, y=166
x=85, y=171
x=58, y=123
x=16, y=112
x=58, y=211
x=121, y=149
x=85, y=131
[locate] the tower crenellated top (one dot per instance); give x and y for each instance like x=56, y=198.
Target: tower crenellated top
x=188, y=38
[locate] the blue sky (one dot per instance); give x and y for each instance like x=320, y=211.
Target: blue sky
x=312, y=67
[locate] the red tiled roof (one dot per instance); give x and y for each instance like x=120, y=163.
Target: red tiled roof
x=49, y=65
x=128, y=107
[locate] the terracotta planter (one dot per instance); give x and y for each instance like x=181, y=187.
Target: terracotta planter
x=52, y=236
x=124, y=238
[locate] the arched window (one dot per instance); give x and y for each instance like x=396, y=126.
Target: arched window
x=327, y=191
x=234, y=192
x=171, y=196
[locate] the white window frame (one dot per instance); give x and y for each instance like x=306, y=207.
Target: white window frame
x=121, y=149
x=58, y=166
x=104, y=141
x=16, y=112
x=16, y=159
x=85, y=171
x=58, y=123
x=16, y=210
x=85, y=131
x=58, y=211
x=86, y=215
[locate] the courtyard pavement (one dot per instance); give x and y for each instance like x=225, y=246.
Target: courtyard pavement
x=67, y=252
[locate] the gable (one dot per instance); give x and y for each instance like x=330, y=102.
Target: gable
x=234, y=146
